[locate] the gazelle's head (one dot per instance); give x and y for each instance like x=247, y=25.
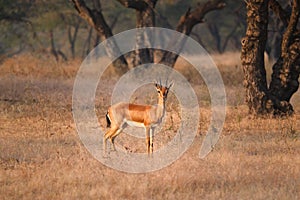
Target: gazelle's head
x=163, y=90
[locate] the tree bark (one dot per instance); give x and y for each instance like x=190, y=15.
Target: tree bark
x=287, y=68
x=274, y=99
x=281, y=13
x=95, y=18
x=145, y=17
x=252, y=56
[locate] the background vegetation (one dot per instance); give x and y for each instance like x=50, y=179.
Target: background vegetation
x=41, y=26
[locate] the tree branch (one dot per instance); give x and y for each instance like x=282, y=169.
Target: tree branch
x=84, y=11
x=186, y=24
x=291, y=29
x=280, y=12
x=115, y=20
x=193, y=17
x=96, y=20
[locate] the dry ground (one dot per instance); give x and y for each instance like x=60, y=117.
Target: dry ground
x=42, y=157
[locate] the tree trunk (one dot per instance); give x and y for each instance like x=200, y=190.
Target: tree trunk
x=145, y=17
x=87, y=44
x=214, y=31
x=96, y=20
x=252, y=56
x=72, y=37
x=274, y=100
x=286, y=70
x=56, y=52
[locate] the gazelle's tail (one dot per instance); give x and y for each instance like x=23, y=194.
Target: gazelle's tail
x=108, y=122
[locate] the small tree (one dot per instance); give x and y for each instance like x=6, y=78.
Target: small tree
x=273, y=98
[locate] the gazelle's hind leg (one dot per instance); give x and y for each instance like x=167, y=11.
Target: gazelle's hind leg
x=148, y=139
x=115, y=134
x=107, y=135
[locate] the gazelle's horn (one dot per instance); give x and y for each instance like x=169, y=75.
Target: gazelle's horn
x=160, y=81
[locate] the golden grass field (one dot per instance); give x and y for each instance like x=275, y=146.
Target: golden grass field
x=42, y=157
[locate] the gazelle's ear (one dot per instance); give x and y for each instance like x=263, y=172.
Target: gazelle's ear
x=157, y=87
x=171, y=85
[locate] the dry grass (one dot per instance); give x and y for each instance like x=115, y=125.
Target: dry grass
x=41, y=156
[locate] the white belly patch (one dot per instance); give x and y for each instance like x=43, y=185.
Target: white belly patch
x=136, y=124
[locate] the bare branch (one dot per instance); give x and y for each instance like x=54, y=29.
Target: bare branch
x=186, y=24
x=115, y=20
x=84, y=11
x=96, y=20
x=279, y=11
x=292, y=27
x=193, y=17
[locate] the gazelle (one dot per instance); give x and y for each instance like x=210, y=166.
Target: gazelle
x=148, y=116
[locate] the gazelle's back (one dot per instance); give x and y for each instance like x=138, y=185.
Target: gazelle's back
x=129, y=112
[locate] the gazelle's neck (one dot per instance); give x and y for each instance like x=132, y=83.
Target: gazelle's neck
x=161, y=107
x=161, y=102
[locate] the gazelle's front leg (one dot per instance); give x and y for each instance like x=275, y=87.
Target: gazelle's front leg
x=151, y=139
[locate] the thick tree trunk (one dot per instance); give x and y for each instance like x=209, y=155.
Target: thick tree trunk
x=252, y=56
x=96, y=20
x=274, y=99
x=145, y=17
x=286, y=70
